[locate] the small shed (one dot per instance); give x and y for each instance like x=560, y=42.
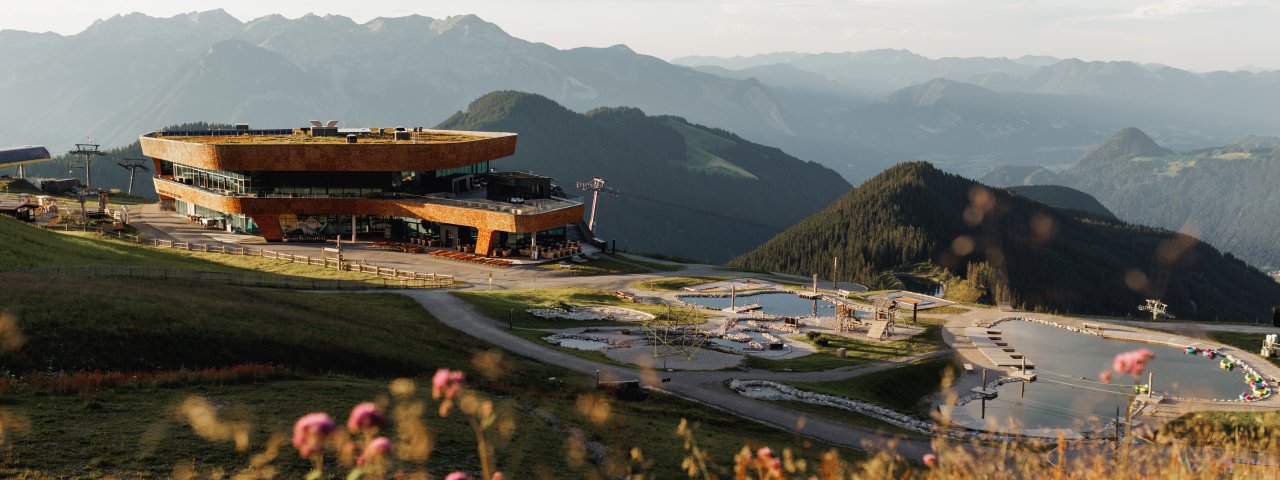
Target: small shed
x=22, y=209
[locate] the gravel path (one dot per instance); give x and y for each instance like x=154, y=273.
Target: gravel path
x=703, y=387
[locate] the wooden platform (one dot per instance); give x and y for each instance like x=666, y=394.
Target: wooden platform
x=989, y=342
x=877, y=329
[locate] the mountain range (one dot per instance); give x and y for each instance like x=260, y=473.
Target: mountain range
x=133, y=73
x=972, y=114
x=855, y=112
x=991, y=245
x=1225, y=195
x=684, y=189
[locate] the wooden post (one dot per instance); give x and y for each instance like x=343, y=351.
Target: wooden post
x=835, y=273
x=353, y=228
x=1024, y=378
x=815, y=283
x=733, y=297
x=1151, y=378
x=984, y=395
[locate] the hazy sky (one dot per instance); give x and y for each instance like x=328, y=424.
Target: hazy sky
x=1194, y=34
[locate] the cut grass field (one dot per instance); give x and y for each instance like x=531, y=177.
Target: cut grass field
x=28, y=246
x=134, y=431
x=600, y=266
x=858, y=352
x=900, y=388
x=1249, y=342
x=18, y=185
x=514, y=305
x=657, y=266
x=675, y=284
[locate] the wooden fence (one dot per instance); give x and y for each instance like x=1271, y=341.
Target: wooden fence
x=389, y=276
x=236, y=278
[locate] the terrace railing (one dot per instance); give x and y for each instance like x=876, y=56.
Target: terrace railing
x=529, y=207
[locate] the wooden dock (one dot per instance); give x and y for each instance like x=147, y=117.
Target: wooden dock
x=990, y=342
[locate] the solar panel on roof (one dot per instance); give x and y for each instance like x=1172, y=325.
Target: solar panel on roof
x=22, y=155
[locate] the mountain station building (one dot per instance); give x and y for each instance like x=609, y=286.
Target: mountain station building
x=432, y=187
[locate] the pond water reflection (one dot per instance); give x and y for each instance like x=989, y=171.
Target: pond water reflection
x=1069, y=394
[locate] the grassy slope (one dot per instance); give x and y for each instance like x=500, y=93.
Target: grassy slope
x=133, y=430
x=673, y=284
x=858, y=352
x=317, y=340
x=28, y=246
x=501, y=304
x=601, y=266
x=900, y=388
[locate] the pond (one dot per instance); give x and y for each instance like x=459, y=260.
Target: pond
x=785, y=304
x=1068, y=392
x=578, y=343
x=920, y=284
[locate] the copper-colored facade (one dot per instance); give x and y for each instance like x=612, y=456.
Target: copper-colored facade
x=486, y=216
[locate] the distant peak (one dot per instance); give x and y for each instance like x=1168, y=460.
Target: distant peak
x=468, y=21
x=1126, y=144
x=938, y=90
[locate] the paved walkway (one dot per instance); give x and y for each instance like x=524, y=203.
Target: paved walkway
x=707, y=387
x=704, y=387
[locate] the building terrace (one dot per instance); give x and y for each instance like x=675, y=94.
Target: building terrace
x=303, y=136
x=433, y=186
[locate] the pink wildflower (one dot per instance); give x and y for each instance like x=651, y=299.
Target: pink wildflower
x=765, y=456
x=446, y=383
x=309, y=431
x=378, y=448
x=457, y=476
x=1105, y=376
x=1132, y=362
x=930, y=460
x=764, y=453
x=365, y=416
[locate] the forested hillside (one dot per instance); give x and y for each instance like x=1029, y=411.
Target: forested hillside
x=1066, y=198
x=1226, y=195
x=686, y=190
x=1009, y=248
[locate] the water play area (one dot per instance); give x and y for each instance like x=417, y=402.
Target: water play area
x=1069, y=392
x=774, y=303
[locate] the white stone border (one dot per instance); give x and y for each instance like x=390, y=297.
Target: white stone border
x=1249, y=370
x=901, y=420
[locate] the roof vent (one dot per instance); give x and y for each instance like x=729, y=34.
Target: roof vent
x=400, y=129
x=242, y=126
x=316, y=123
x=402, y=135
x=331, y=124
x=351, y=138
